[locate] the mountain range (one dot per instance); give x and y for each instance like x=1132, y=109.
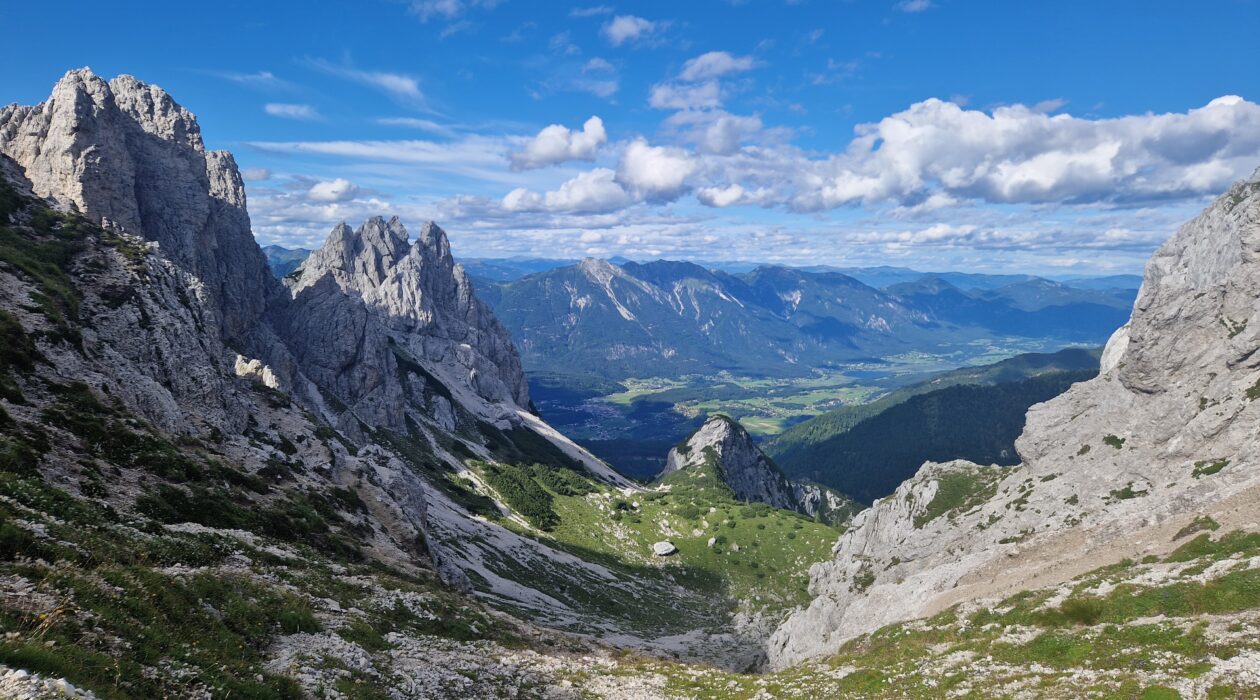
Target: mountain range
x=673, y=318
x=616, y=319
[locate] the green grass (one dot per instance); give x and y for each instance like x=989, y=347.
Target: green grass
x=1113, y=441
x=1087, y=646
x=1208, y=467
x=959, y=492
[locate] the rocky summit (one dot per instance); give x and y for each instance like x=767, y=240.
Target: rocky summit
x=722, y=449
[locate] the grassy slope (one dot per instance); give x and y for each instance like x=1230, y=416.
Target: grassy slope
x=759, y=561
x=1181, y=626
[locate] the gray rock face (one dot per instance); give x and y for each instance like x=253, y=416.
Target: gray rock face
x=752, y=475
x=125, y=152
x=739, y=462
x=1112, y=469
x=369, y=302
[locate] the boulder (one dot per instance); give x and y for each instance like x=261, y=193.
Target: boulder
x=664, y=549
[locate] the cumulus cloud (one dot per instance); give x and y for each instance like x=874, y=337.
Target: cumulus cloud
x=338, y=190
x=673, y=96
x=715, y=64
x=291, y=111
x=628, y=28
x=557, y=144
x=1017, y=154
x=593, y=191
x=720, y=196
x=723, y=132
x=655, y=172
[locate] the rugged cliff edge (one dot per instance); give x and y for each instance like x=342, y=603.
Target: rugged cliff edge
x=1114, y=468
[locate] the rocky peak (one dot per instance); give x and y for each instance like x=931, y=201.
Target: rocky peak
x=126, y=153
x=599, y=270
x=739, y=462
x=421, y=299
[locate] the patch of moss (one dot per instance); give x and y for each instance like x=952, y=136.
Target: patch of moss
x=1208, y=467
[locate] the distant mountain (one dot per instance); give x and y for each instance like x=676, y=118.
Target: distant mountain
x=1109, y=282
x=505, y=269
x=673, y=318
x=282, y=260
x=1032, y=308
x=669, y=318
x=971, y=413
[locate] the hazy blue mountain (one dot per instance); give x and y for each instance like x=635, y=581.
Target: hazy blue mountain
x=1036, y=308
x=1108, y=282
x=673, y=318
x=504, y=269
x=283, y=260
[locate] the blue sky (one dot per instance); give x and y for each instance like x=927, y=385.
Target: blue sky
x=1066, y=137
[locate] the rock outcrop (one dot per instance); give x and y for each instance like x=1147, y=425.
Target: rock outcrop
x=1112, y=469
x=125, y=153
x=371, y=301
x=724, y=447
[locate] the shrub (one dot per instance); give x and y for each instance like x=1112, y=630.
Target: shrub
x=1082, y=611
x=523, y=494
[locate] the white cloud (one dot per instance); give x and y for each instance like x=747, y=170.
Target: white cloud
x=598, y=65
x=291, y=111
x=256, y=174
x=261, y=79
x=672, y=96
x=655, y=172
x=447, y=9
x=593, y=191
x=557, y=144
x=339, y=190
x=595, y=11
x=1046, y=106
x=477, y=157
x=912, y=6
x=715, y=64
x=623, y=28
x=1016, y=154
x=421, y=124
x=402, y=87
x=454, y=28
x=720, y=196
x=725, y=132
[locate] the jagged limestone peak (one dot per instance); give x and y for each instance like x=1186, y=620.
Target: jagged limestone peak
x=125, y=152
x=740, y=463
x=418, y=295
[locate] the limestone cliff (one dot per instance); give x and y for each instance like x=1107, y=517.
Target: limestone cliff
x=724, y=447
x=1111, y=469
